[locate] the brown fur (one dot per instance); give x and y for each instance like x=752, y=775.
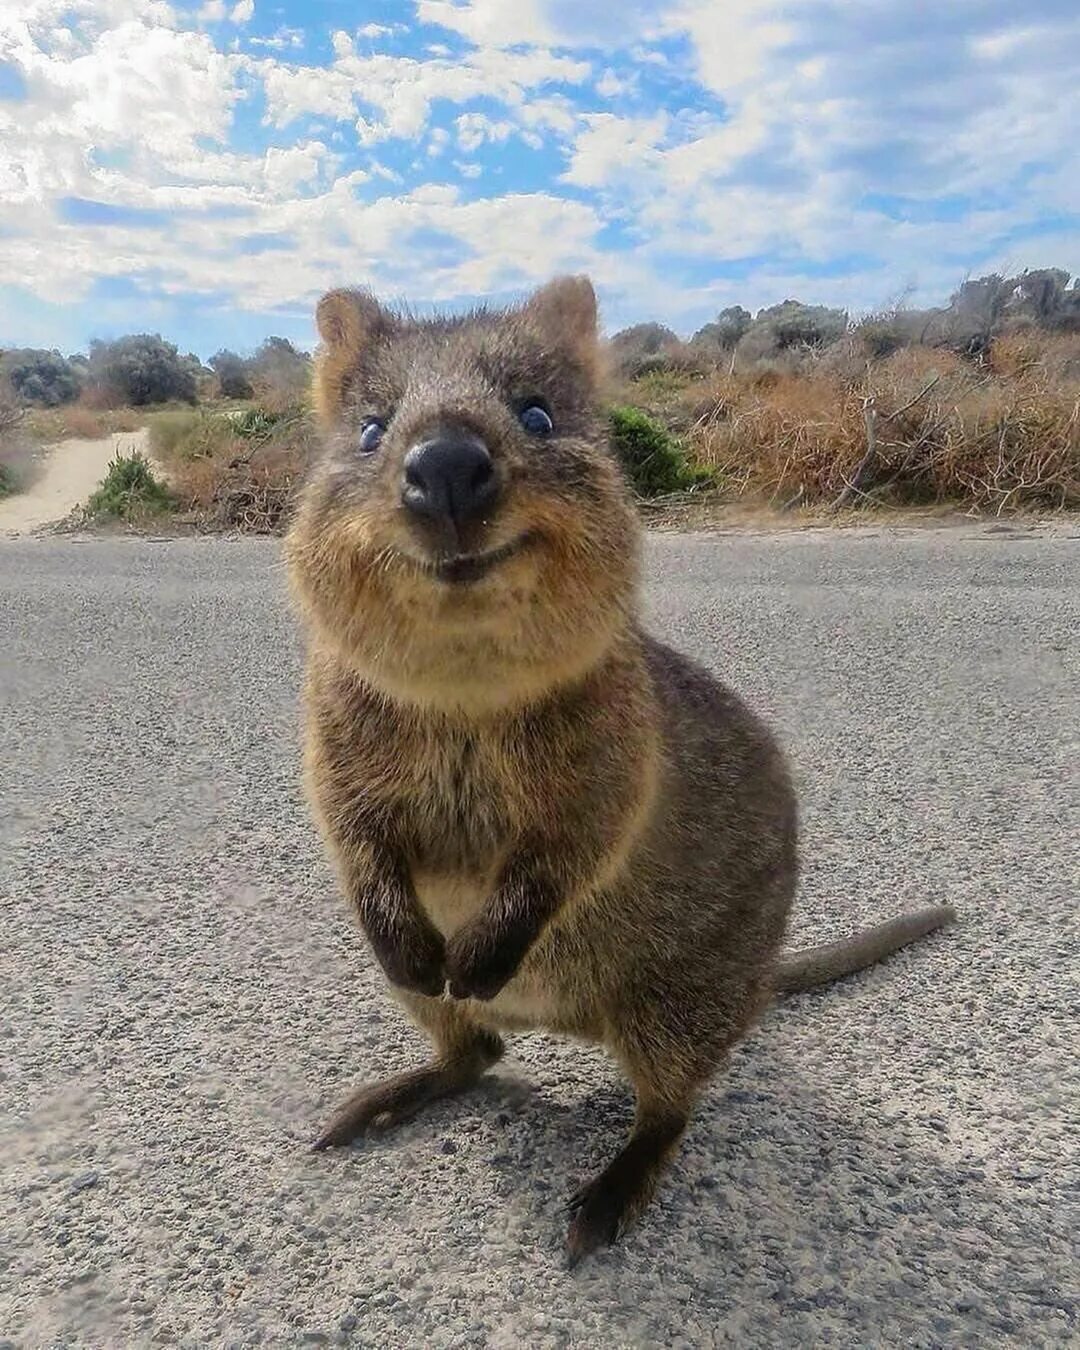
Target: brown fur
x=543, y=817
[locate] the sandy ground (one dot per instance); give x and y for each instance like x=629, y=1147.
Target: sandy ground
x=888, y=1163
x=72, y=470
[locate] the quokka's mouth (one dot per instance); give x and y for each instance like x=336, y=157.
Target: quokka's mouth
x=463, y=568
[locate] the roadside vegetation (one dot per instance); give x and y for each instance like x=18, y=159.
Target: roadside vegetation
x=129, y=492
x=16, y=447
x=974, y=406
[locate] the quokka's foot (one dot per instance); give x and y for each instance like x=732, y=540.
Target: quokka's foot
x=380, y=1106
x=605, y=1207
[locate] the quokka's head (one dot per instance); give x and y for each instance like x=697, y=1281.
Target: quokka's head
x=467, y=540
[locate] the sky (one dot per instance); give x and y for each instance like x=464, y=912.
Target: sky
x=207, y=169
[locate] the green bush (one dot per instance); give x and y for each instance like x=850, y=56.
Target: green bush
x=187, y=434
x=254, y=423
x=129, y=489
x=169, y=431
x=42, y=378
x=139, y=369
x=651, y=457
x=232, y=374
x=725, y=331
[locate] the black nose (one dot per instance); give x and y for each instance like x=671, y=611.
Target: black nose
x=451, y=477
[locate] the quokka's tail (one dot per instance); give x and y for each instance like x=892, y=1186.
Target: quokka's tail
x=814, y=966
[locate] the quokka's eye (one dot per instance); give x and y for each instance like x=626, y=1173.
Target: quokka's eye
x=371, y=434
x=536, y=420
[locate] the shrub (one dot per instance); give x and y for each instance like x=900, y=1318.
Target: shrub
x=232, y=374
x=942, y=431
x=138, y=370
x=180, y=434
x=280, y=375
x=129, y=490
x=255, y=423
x=42, y=378
x=246, y=468
x=793, y=324
x=651, y=457
x=188, y=433
x=724, y=333
x=641, y=349
x=16, y=451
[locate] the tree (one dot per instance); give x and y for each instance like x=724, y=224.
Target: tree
x=139, y=369
x=725, y=330
x=279, y=373
x=642, y=348
x=42, y=377
x=793, y=324
x=232, y=374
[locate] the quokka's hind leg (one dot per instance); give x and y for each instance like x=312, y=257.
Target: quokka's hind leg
x=606, y=1206
x=668, y=1065
x=463, y=1052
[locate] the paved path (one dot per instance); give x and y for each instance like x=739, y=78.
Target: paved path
x=886, y=1164
x=70, y=473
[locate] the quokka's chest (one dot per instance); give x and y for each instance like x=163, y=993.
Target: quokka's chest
x=459, y=808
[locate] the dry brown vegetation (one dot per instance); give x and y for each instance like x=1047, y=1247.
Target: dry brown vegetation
x=838, y=428
x=817, y=428
x=81, y=420
x=234, y=471
x=974, y=405
x=16, y=448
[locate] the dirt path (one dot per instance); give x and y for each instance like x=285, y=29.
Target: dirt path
x=72, y=471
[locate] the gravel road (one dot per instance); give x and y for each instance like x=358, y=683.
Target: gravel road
x=885, y=1164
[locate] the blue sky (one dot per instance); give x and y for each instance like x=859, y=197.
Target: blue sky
x=206, y=168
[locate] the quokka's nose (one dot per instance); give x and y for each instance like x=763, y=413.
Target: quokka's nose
x=451, y=477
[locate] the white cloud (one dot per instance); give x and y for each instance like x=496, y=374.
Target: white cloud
x=474, y=129
x=786, y=123
x=286, y=171
x=491, y=23
x=610, y=148
x=611, y=85
x=734, y=42
x=400, y=90
x=283, y=39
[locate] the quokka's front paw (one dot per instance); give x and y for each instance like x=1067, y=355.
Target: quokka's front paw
x=478, y=964
x=416, y=961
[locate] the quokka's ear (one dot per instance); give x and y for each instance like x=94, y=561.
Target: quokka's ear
x=564, y=313
x=349, y=321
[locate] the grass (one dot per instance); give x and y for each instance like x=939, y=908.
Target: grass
x=236, y=468
x=854, y=426
x=129, y=491
x=17, y=462
x=921, y=426
x=47, y=425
